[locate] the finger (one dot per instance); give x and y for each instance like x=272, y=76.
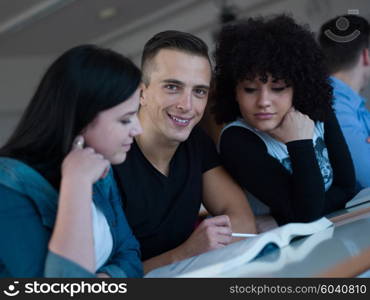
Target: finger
x=224, y=230
x=78, y=142
x=89, y=150
x=222, y=220
x=218, y=246
x=224, y=239
x=368, y=139
x=291, y=109
x=98, y=155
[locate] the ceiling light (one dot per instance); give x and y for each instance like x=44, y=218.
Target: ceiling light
x=107, y=13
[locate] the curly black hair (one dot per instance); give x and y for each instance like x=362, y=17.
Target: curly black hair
x=279, y=46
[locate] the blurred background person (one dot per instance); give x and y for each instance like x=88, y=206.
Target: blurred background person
x=345, y=41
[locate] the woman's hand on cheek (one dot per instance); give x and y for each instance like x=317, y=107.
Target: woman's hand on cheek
x=294, y=126
x=84, y=163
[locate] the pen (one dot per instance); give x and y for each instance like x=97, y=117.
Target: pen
x=236, y=234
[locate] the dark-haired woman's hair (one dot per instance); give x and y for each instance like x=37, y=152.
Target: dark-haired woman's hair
x=82, y=82
x=277, y=46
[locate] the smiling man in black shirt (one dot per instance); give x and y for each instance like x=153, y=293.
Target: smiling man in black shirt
x=173, y=166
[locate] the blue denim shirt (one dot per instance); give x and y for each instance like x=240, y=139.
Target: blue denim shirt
x=354, y=119
x=28, y=207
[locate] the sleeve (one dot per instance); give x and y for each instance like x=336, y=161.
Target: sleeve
x=343, y=186
x=60, y=267
x=355, y=135
x=25, y=252
x=125, y=261
x=296, y=197
x=206, y=146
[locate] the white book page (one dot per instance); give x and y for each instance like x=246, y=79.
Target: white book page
x=292, y=230
x=237, y=253
x=294, y=253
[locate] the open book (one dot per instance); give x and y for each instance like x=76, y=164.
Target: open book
x=285, y=262
x=362, y=197
x=220, y=260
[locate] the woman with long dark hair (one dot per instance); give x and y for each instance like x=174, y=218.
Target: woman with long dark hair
x=60, y=211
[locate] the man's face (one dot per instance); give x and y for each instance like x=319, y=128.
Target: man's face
x=174, y=100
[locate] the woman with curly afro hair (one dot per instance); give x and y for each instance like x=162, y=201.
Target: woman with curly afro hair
x=282, y=142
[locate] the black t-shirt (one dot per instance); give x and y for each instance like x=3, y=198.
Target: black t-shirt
x=162, y=210
x=296, y=197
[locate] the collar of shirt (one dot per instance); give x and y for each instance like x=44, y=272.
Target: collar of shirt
x=352, y=96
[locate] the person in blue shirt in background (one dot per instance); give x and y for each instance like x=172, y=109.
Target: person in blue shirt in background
x=345, y=40
x=60, y=209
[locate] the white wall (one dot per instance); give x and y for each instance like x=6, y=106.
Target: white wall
x=18, y=80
